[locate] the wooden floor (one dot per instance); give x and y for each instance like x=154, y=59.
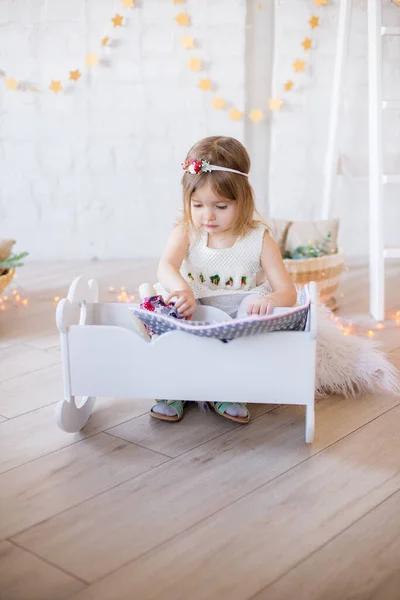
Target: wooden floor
x=132, y=508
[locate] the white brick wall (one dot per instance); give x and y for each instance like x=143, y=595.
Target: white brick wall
x=95, y=171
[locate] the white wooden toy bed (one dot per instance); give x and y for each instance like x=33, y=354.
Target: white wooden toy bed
x=103, y=355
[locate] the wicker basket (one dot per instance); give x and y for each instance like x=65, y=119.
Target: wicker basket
x=325, y=271
x=6, y=279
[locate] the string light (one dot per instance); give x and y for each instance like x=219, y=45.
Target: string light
x=15, y=297
x=123, y=294
x=348, y=327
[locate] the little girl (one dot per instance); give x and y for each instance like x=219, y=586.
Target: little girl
x=219, y=254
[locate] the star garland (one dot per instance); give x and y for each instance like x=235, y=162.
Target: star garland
x=195, y=64
x=92, y=60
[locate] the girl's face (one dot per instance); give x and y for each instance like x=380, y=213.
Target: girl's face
x=211, y=212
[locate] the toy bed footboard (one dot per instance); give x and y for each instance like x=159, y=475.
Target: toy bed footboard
x=103, y=355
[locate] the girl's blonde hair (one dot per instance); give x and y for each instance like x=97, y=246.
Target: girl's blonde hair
x=224, y=152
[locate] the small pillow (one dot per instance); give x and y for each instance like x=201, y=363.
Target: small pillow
x=301, y=233
x=5, y=248
x=279, y=230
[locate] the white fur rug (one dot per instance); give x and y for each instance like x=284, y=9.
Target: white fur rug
x=349, y=365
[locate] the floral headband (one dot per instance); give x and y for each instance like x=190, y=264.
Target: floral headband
x=194, y=166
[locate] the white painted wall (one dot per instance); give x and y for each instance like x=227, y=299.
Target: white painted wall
x=95, y=171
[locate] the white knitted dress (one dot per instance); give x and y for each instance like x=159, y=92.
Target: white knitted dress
x=218, y=272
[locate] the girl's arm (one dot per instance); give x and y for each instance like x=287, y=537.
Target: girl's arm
x=169, y=275
x=284, y=292
x=171, y=260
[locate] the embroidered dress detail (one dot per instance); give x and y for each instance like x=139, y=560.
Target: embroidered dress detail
x=215, y=279
x=216, y=271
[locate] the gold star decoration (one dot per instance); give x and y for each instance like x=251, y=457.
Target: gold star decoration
x=74, y=75
x=182, y=19
x=275, y=103
x=128, y=3
x=205, y=85
x=11, y=84
x=321, y=2
x=218, y=103
x=105, y=40
x=187, y=42
x=288, y=85
x=195, y=64
x=306, y=43
x=314, y=21
x=55, y=86
x=92, y=59
x=256, y=115
x=117, y=20
x=299, y=65
x=235, y=114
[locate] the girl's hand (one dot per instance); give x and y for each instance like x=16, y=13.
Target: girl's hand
x=185, y=303
x=261, y=306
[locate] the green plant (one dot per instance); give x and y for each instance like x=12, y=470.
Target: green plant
x=313, y=250
x=11, y=262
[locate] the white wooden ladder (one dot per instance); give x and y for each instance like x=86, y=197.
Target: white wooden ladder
x=377, y=179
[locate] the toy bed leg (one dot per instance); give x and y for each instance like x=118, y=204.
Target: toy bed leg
x=310, y=423
x=72, y=418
